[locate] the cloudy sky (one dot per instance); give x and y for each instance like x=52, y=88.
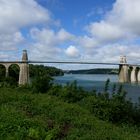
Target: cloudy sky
x=76, y=30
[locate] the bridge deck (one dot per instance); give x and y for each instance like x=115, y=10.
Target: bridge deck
x=66, y=62
x=73, y=62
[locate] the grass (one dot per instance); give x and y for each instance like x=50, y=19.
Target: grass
x=26, y=116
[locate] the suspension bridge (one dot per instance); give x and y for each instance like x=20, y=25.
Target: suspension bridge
x=127, y=72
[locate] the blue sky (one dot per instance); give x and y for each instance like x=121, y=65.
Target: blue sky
x=75, y=14
x=77, y=30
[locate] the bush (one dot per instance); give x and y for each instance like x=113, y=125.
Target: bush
x=116, y=108
x=9, y=82
x=25, y=116
x=41, y=84
x=69, y=93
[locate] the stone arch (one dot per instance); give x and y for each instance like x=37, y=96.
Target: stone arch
x=2, y=72
x=23, y=68
x=14, y=70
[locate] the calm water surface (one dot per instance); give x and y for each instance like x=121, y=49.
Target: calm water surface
x=97, y=82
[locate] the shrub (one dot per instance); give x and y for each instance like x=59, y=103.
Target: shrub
x=41, y=84
x=9, y=82
x=72, y=93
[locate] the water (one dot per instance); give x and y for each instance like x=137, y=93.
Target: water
x=97, y=82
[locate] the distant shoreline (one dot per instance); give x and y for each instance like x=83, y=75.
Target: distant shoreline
x=93, y=71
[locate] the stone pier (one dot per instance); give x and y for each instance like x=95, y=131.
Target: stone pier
x=138, y=75
x=24, y=69
x=123, y=71
x=128, y=73
x=133, y=75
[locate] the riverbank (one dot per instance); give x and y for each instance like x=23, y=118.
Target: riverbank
x=96, y=82
x=93, y=71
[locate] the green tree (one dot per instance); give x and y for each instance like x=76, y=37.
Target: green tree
x=41, y=84
x=14, y=72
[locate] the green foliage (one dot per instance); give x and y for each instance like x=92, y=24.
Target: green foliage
x=9, y=82
x=2, y=73
x=95, y=71
x=69, y=93
x=26, y=116
x=37, y=70
x=14, y=72
x=115, y=108
x=52, y=134
x=114, y=89
x=12, y=79
x=107, y=85
x=66, y=112
x=111, y=110
x=41, y=84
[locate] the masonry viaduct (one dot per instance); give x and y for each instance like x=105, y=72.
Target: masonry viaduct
x=24, y=68
x=127, y=72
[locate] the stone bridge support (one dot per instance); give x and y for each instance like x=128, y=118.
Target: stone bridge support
x=138, y=75
x=123, y=70
x=133, y=76
x=124, y=74
x=24, y=69
x=7, y=69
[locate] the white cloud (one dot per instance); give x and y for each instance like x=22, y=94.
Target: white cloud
x=105, y=32
x=111, y=53
x=87, y=42
x=72, y=51
x=44, y=42
x=121, y=23
x=126, y=14
x=10, y=41
x=47, y=43
x=50, y=37
x=105, y=40
x=63, y=35
x=15, y=14
x=116, y=34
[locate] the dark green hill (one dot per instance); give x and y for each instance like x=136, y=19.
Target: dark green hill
x=36, y=70
x=94, y=71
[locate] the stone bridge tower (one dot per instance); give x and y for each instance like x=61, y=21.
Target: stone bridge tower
x=128, y=72
x=123, y=70
x=24, y=69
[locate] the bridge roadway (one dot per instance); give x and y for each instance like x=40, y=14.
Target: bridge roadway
x=66, y=62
